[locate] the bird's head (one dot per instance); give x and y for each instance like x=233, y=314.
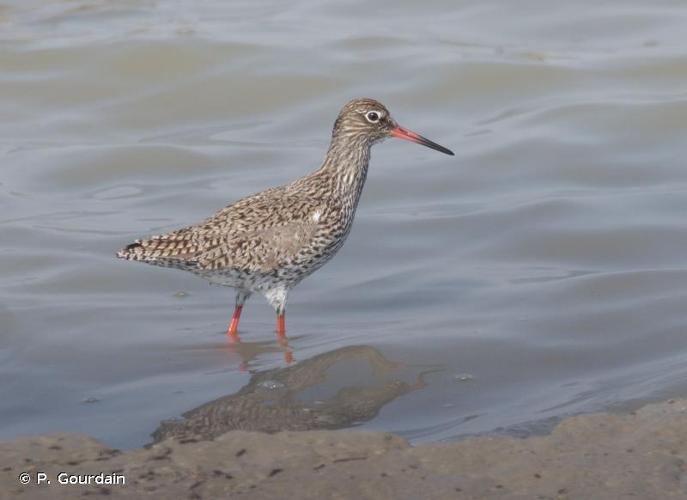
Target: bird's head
x=368, y=121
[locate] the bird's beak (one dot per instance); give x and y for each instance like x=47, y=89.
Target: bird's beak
x=408, y=135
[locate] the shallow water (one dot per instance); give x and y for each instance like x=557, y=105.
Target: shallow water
x=540, y=272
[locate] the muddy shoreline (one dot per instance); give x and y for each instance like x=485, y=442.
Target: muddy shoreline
x=641, y=454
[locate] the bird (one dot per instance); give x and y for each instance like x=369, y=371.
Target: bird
x=270, y=241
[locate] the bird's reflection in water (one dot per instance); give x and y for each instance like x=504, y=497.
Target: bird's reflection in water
x=248, y=351
x=329, y=391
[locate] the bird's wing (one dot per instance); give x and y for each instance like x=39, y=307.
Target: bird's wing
x=258, y=233
x=262, y=249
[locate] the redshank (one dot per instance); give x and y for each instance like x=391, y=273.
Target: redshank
x=270, y=241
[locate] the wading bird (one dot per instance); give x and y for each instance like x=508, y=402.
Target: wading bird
x=270, y=241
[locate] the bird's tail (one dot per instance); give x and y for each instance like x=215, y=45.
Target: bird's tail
x=173, y=249
x=133, y=251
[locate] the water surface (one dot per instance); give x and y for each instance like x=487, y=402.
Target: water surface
x=540, y=272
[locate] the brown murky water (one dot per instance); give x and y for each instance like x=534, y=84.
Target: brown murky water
x=540, y=272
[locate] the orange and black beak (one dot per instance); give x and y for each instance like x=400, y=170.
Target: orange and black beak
x=406, y=134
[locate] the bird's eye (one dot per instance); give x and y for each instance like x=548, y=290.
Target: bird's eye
x=372, y=116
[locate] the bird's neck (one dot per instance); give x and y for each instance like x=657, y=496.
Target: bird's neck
x=345, y=167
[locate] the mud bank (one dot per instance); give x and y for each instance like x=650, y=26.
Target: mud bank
x=601, y=456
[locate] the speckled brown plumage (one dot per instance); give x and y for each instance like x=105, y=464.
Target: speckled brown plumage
x=270, y=241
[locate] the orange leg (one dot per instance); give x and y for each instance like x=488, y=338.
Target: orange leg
x=234, y=325
x=281, y=327
x=241, y=297
x=281, y=338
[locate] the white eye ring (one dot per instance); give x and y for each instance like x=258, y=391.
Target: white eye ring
x=373, y=116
